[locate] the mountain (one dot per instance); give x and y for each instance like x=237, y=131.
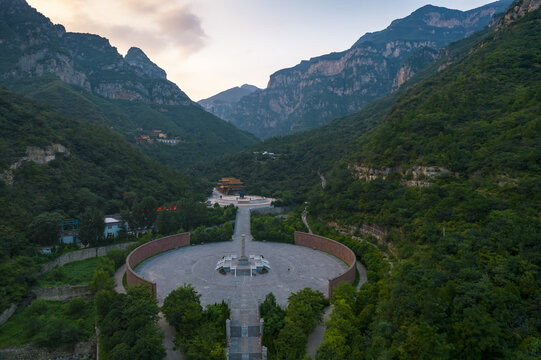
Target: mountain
x=439, y=193
x=83, y=76
x=229, y=96
x=222, y=103
x=136, y=57
x=325, y=87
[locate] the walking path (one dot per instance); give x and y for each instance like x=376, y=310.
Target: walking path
x=305, y=221
x=119, y=275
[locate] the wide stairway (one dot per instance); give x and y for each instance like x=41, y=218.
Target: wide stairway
x=244, y=327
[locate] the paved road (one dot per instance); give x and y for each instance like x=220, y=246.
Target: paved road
x=119, y=275
x=244, y=307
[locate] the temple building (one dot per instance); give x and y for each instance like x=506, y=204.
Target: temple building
x=230, y=186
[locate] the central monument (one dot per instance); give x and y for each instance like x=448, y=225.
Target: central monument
x=243, y=266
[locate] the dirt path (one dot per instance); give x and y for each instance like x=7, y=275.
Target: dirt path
x=305, y=221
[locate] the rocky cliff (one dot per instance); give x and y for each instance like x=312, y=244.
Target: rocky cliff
x=34, y=47
x=518, y=10
x=322, y=88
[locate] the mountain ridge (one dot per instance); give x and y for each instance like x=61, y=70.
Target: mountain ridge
x=325, y=87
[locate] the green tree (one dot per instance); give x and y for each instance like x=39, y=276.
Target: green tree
x=182, y=309
x=91, y=226
x=45, y=228
x=101, y=281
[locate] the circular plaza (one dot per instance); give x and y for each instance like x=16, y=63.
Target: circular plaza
x=292, y=268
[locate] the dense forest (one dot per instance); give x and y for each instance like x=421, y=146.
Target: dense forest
x=467, y=283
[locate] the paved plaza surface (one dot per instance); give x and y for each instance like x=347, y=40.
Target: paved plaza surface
x=292, y=268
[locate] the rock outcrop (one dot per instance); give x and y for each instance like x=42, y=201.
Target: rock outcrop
x=518, y=10
x=420, y=176
x=222, y=103
x=37, y=155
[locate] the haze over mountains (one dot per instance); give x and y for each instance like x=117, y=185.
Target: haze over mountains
x=223, y=103
x=325, y=87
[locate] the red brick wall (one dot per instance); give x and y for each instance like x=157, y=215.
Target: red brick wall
x=147, y=250
x=332, y=247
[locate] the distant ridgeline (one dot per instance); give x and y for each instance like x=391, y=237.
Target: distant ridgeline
x=318, y=90
x=84, y=77
x=449, y=170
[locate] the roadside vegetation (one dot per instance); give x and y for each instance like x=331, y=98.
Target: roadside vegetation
x=200, y=331
x=278, y=228
x=49, y=324
x=285, y=332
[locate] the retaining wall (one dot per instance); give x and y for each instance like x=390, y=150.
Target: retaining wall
x=63, y=293
x=79, y=255
x=332, y=247
x=147, y=250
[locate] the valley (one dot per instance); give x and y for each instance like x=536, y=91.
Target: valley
x=416, y=152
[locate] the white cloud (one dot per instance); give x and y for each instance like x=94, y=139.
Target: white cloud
x=155, y=26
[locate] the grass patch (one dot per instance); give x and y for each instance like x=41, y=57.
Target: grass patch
x=12, y=332
x=75, y=273
x=50, y=324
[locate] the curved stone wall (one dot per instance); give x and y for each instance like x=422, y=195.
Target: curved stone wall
x=149, y=249
x=332, y=247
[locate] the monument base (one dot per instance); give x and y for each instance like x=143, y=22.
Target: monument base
x=243, y=266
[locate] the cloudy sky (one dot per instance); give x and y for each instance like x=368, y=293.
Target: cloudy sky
x=207, y=46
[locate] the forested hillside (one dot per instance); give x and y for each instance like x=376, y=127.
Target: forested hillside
x=448, y=176
x=467, y=281
x=302, y=158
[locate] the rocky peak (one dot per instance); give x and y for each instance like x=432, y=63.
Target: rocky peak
x=136, y=57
